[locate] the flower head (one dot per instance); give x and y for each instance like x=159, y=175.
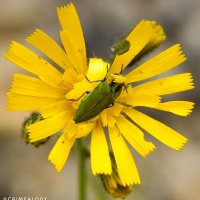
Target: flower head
x=58, y=93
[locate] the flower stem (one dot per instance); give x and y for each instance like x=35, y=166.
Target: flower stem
x=82, y=171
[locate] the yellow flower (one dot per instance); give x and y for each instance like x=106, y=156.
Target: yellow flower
x=52, y=90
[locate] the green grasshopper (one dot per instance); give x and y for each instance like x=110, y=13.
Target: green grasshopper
x=103, y=95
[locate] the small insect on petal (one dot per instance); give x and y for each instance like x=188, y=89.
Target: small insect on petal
x=97, y=100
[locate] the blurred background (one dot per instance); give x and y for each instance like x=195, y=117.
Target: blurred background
x=165, y=174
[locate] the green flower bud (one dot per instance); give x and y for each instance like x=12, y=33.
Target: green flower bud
x=113, y=184
x=34, y=117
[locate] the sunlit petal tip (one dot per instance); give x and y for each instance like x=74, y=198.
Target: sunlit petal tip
x=180, y=50
x=32, y=34
x=100, y=172
x=7, y=54
x=182, y=108
x=190, y=109
x=181, y=145
x=152, y=148
x=72, y=38
x=55, y=166
x=160, y=131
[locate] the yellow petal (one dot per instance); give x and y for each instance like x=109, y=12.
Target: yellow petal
x=27, y=85
x=69, y=21
x=119, y=78
x=134, y=136
x=111, y=120
x=71, y=129
x=84, y=129
x=100, y=159
x=167, y=85
x=131, y=98
x=28, y=60
x=103, y=117
x=115, y=110
x=139, y=100
x=72, y=35
x=125, y=164
x=59, y=154
x=96, y=72
x=73, y=53
x=108, y=115
x=23, y=102
x=97, y=69
x=163, y=62
x=49, y=47
x=54, y=108
x=157, y=38
x=160, y=131
x=69, y=78
x=138, y=39
x=158, y=35
x=80, y=89
x=49, y=126
x=183, y=108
